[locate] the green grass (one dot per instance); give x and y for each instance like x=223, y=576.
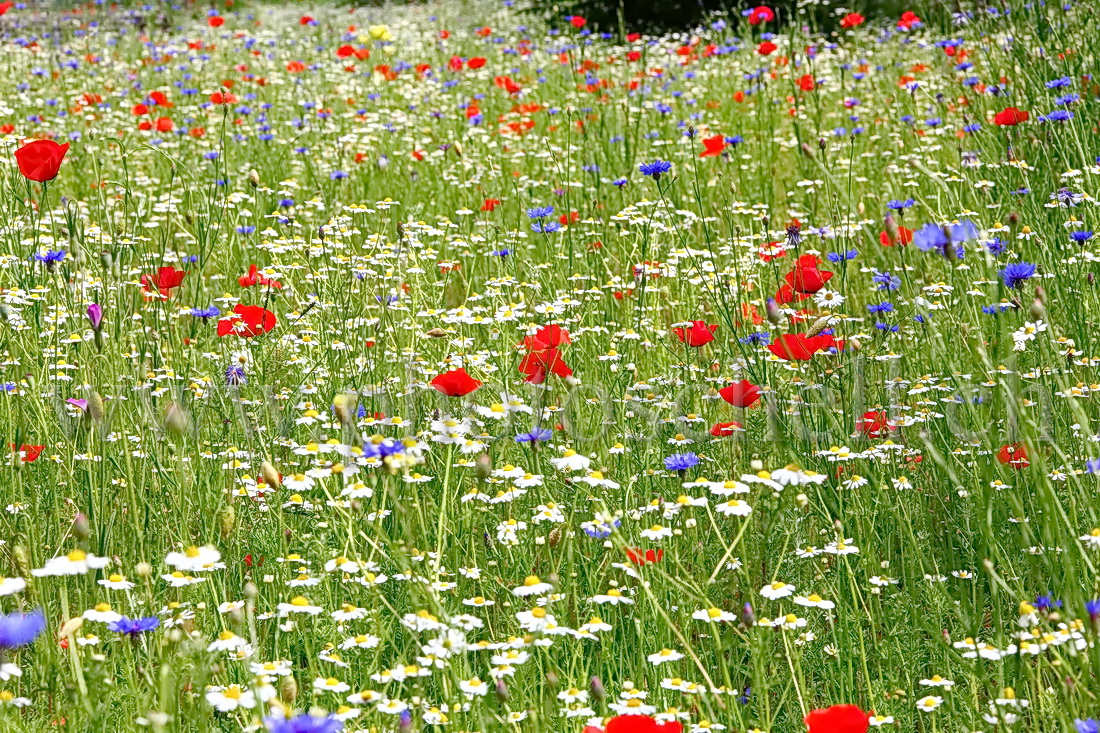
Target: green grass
x=390, y=273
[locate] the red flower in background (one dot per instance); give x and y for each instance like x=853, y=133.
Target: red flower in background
x=547, y=337
x=700, y=333
x=215, y=21
x=164, y=281
x=851, y=20
x=740, y=394
x=838, y=719
x=725, y=429
x=490, y=204
x=807, y=83
x=40, y=161
x=765, y=48
x=255, y=277
x=28, y=453
x=762, y=14
x=800, y=347
x=1010, y=117
x=544, y=355
x=908, y=20
x=1013, y=454
x=905, y=236
x=713, y=146
x=455, y=383
x=636, y=724
x=248, y=321
x=637, y=556
x=875, y=424
x=803, y=281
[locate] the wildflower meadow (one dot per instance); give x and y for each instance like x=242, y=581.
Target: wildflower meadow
x=452, y=367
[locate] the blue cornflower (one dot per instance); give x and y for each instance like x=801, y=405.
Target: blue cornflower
x=930, y=237
x=235, y=376
x=1093, y=608
x=620, y=182
x=1017, y=273
x=501, y=252
x=996, y=246
x=545, y=227
x=835, y=257
x=19, y=629
x=210, y=312
x=380, y=447
x=337, y=175
x=1059, y=115
x=1065, y=81
x=540, y=212
x=50, y=257
x=681, y=461
x=899, y=205
x=535, y=435
x=886, y=280
x=888, y=327
x=1087, y=726
x=1080, y=236
x=134, y=627
x=1046, y=603
x=1092, y=465
x=655, y=169
x=759, y=337
x=304, y=723
x=600, y=529
x=883, y=307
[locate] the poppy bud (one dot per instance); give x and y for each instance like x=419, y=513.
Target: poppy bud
x=853, y=344
x=1040, y=293
x=227, y=518
x=344, y=406
x=891, y=226
x=436, y=333
x=288, y=689
x=1013, y=219
x=861, y=208
x=5, y=311
x=143, y=570
x=1091, y=278
x=271, y=476
x=106, y=259
x=807, y=151
x=555, y=537
x=1037, y=310
x=483, y=466
x=771, y=308
x=458, y=149
x=598, y=692
x=251, y=590
x=81, y=530
x=818, y=326
x=551, y=680
x=175, y=418
x=21, y=560
x=748, y=616
x=502, y=692
x=254, y=178
x=95, y=407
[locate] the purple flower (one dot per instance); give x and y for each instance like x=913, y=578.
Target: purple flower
x=681, y=461
x=535, y=435
x=95, y=315
x=134, y=627
x=19, y=629
x=655, y=169
x=81, y=405
x=1017, y=273
x=304, y=723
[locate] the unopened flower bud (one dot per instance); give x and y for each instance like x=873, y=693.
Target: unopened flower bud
x=599, y=694
x=81, y=530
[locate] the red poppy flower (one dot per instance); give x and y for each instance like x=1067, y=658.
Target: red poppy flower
x=538, y=364
x=725, y=429
x=255, y=277
x=222, y=98
x=1010, y=117
x=165, y=279
x=765, y=48
x=490, y=204
x=547, y=337
x=713, y=146
x=160, y=99
x=164, y=124
x=215, y=21
x=799, y=346
x=807, y=83
x=740, y=394
x=851, y=20
x=455, y=383
x=249, y=321
x=805, y=277
x=27, y=453
x=762, y=14
x=344, y=51
x=699, y=334
x=40, y=160
x=636, y=724
x=908, y=20
x=1013, y=454
x=637, y=556
x=577, y=21
x=874, y=424
x=475, y=63
x=905, y=236
x=838, y=719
